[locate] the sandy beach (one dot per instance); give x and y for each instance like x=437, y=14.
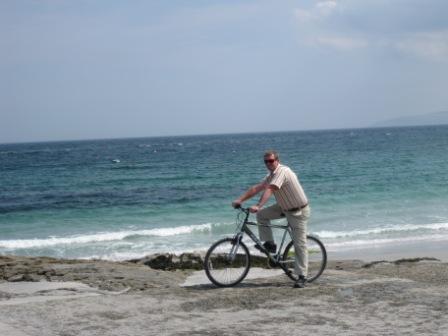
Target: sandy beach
x=45, y=296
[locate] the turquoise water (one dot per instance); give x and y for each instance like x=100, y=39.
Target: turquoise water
x=125, y=198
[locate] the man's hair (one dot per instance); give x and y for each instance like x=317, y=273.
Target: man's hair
x=271, y=152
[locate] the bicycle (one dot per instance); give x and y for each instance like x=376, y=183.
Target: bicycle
x=228, y=260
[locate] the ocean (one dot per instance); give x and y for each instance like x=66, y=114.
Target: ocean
x=125, y=198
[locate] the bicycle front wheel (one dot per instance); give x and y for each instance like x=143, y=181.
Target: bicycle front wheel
x=227, y=262
x=317, y=258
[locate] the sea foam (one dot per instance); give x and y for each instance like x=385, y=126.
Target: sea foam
x=103, y=236
x=364, y=243
x=382, y=230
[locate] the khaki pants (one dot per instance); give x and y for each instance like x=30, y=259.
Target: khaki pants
x=297, y=220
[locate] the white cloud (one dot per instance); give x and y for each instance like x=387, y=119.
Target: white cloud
x=342, y=42
x=321, y=10
x=303, y=15
x=409, y=26
x=326, y=7
x=433, y=45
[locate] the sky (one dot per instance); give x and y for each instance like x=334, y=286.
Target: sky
x=113, y=68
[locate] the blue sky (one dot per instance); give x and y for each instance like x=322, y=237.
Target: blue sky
x=110, y=69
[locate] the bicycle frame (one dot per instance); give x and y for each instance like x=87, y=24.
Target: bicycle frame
x=275, y=259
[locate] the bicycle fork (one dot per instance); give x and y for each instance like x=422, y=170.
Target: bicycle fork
x=236, y=244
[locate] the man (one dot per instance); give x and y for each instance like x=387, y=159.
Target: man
x=291, y=202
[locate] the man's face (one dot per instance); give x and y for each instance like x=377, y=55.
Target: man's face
x=271, y=162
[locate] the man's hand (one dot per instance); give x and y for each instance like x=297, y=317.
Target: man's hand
x=254, y=208
x=236, y=204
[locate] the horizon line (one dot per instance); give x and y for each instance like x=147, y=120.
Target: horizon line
x=217, y=134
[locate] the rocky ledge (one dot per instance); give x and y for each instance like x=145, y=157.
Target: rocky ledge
x=152, y=271
x=185, y=261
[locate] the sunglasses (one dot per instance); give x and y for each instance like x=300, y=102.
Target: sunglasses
x=269, y=161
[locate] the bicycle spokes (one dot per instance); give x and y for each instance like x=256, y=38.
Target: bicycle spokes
x=227, y=263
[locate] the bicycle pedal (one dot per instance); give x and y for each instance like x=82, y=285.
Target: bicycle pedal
x=272, y=264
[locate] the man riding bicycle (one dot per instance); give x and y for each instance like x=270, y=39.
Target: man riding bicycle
x=291, y=202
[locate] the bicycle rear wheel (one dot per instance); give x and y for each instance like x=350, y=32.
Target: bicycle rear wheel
x=227, y=262
x=317, y=258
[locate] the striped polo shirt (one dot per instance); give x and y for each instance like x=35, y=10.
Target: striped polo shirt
x=290, y=193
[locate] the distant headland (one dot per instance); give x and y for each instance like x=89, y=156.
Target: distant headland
x=436, y=118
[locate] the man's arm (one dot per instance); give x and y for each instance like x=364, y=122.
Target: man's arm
x=251, y=192
x=268, y=191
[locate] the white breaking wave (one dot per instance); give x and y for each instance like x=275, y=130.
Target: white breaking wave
x=400, y=228
x=364, y=243
x=102, y=237
x=123, y=256
x=333, y=239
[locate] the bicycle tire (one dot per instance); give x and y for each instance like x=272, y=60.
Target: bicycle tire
x=222, y=271
x=317, y=258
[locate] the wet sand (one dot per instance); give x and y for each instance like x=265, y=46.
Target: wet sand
x=44, y=296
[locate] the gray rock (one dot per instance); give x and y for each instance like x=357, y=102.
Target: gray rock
x=170, y=262
x=17, y=277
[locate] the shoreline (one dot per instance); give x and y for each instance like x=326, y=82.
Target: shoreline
x=409, y=249
x=380, y=251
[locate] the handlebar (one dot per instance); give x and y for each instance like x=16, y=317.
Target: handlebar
x=239, y=207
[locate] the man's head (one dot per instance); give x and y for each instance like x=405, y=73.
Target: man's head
x=271, y=160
